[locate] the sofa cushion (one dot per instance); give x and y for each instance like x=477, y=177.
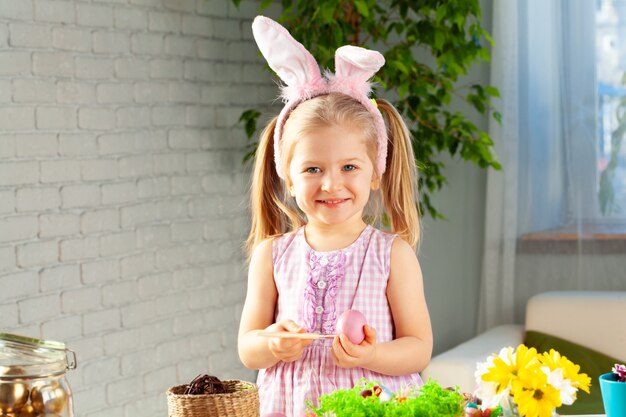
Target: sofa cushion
x=575, y=315
x=591, y=362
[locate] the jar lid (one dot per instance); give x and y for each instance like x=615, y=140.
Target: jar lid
x=48, y=344
x=22, y=356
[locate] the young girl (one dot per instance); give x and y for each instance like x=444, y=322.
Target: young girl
x=313, y=256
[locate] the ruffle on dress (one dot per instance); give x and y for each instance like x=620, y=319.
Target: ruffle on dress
x=326, y=270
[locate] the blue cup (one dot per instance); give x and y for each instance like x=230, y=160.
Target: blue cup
x=613, y=395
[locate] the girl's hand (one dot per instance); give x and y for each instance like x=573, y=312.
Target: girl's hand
x=348, y=355
x=286, y=350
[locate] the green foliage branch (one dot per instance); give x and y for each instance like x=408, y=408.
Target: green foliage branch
x=449, y=31
x=607, y=183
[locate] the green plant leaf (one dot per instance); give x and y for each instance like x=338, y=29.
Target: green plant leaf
x=327, y=10
x=265, y=4
x=441, y=13
x=362, y=8
x=492, y=91
x=249, y=119
x=439, y=39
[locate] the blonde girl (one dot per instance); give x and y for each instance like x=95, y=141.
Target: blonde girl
x=321, y=166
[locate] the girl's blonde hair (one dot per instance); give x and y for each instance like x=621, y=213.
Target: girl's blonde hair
x=273, y=212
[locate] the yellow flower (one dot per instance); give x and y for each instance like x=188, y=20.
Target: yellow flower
x=533, y=395
x=582, y=381
x=526, y=357
x=506, y=366
x=554, y=360
x=536, y=383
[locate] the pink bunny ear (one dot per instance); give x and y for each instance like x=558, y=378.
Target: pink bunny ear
x=354, y=66
x=354, y=61
x=289, y=59
x=294, y=65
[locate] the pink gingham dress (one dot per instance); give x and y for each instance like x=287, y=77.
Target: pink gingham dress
x=314, y=289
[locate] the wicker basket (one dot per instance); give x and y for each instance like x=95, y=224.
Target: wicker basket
x=240, y=400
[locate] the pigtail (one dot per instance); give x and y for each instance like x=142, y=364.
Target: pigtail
x=399, y=182
x=270, y=215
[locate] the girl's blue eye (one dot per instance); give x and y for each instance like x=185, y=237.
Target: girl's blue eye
x=349, y=167
x=313, y=170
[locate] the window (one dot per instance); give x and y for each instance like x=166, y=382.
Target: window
x=610, y=48
x=572, y=156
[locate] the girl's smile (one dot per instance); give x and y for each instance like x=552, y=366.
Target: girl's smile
x=333, y=203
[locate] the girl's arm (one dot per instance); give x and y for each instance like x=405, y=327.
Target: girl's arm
x=258, y=352
x=411, y=349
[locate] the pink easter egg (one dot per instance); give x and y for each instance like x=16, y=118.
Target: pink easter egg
x=351, y=323
x=274, y=415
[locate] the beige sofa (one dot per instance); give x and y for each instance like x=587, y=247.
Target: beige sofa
x=595, y=319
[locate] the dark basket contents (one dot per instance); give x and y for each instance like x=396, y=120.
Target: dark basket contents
x=205, y=384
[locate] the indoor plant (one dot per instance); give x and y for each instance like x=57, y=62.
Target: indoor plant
x=613, y=387
x=527, y=383
x=428, y=45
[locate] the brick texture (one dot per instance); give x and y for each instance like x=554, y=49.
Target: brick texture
x=122, y=193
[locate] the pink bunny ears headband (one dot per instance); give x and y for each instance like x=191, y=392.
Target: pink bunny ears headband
x=297, y=68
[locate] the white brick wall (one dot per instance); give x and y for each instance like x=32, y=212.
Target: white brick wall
x=122, y=196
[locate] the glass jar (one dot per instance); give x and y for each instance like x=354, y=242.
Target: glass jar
x=32, y=377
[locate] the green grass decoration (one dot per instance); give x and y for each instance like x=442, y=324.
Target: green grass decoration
x=429, y=400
